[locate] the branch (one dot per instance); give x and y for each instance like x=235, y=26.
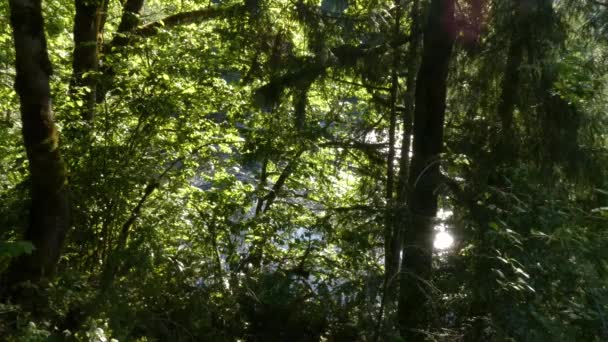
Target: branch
x=371, y=150
x=356, y=207
x=183, y=18
x=124, y=232
x=272, y=195
x=354, y=144
x=366, y=86
x=263, y=180
x=113, y=262
x=310, y=69
x=128, y=22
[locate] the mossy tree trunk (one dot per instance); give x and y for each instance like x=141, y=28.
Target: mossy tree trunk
x=49, y=210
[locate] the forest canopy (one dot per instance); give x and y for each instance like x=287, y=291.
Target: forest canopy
x=296, y=170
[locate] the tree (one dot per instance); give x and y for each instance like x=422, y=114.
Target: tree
x=49, y=208
x=424, y=177
x=245, y=170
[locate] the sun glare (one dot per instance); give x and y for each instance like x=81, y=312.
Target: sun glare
x=443, y=240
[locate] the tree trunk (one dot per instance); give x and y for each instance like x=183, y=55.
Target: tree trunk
x=85, y=62
x=391, y=236
x=398, y=214
x=401, y=214
x=408, y=113
x=510, y=83
x=49, y=211
x=391, y=261
x=128, y=22
x=508, y=98
x=424, y=177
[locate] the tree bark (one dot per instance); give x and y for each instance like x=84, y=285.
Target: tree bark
x=401, y=214
x=391, y=236
x=391, y=261
x=49, y=209
x=128, y=21
x=408, y=112
x=397, y=220
x=191, y=17
x=424, y=177
x=85, y=62
x=510, y=83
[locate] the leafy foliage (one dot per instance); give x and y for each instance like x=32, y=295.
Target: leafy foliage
x=232, y=184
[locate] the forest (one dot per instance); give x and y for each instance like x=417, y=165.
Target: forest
x=304, y=170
